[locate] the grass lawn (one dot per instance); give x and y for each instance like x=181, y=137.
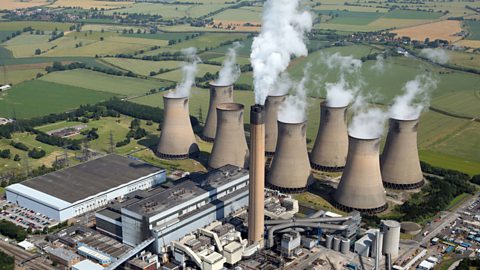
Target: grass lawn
x=350, y=18
x=142, y=67
x=473, y=28
x=450, y=162
x=37, y=98
x=457, y=201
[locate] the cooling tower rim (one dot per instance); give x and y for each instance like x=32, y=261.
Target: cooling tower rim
x=324, y=104
x=350, y=136
x=292, y=123
x=403, y=120
x=214, y=84
x=230, y=106
x=277, y=95
x=166, y=96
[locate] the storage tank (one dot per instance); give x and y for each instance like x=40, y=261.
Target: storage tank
x=360, y=186
x=329, y=152
x=377, y=244
x=336, y=243
x=329, y=241
x=177, y=140
x=391, y=237
x=271, y=130
x=218, y=94
x=399, y=162
x=290, y=171
x=230, y=146
x=345, y=246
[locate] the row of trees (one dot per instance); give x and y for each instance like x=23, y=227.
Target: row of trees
x=11, y=230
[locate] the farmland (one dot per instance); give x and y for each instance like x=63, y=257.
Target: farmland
x=446, y=30
x=473, y=27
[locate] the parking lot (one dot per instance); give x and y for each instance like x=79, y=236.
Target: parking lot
x=24, y=217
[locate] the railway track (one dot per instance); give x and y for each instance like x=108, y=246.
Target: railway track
x=21, y=256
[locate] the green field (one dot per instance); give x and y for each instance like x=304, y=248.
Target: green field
x=18, y=73
x=46, y=26
x=37, y=98
x=244, y=14
x=351, y=18
x=89, y=61
x=170, y=11
x=142, y=67
x=162, y=36
x=176, y=75
x=473, y=28
x=412, y=15
x=122, y=86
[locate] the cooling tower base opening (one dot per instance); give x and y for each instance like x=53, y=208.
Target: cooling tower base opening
x=369, y=211
x=287, y=190
x=269, y=154
x=318, y=167
x=177, y=157
x=404, y=186
x=207, y=139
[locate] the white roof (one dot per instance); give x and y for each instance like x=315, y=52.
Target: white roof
x=36, y=195
x=233, y=246
x=26, y=245
x=87, y=265
x=426, y=265
x=432, y=259
x=93, y=253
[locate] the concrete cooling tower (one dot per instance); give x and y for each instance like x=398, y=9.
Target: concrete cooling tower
x=218, y=94
x=177, y=140
x=230, y=146
x=391, y=237
x=329, y=152
x=271, y=130
x=290, y=171
x=399, y=162
x=361, y=187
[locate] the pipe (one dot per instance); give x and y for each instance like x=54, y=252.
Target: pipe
x=317, y=214
x=322, y=219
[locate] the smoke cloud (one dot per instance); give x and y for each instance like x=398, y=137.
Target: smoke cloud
x=379, y=65
x=282, y=85
x=230, y=70
x=345, y=64
x=293, y=109
x=282, y=36
x=367, y=122
x=437, y=55
x=341, y=93
x=189, y=70
x=415, y=99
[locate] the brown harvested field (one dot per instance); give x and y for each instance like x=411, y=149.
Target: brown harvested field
x=437, y=30
x=239, y=25
x=14, y=4
x=468, y=43
x=87, y=4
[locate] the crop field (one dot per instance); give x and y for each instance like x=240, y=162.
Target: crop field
x=437, y=30
x=88, y=4
x=37, y=25
x=244, y=14
x=464, y=103
x=14, y=4
x=142, y=67
x=170, y=10
x=463, y=59
x=122, y=86
x=4, y=35
x=351, y=18
x=176, y=75
x=413, y=15
x=90, y=61
x=111, y=28
x=161, y=36
x=473, y=28
x=37, y=98
x=18, y=73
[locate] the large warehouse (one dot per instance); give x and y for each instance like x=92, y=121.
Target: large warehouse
x=73, y=191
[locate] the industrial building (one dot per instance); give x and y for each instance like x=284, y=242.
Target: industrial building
x=218, y=94
x=62, y=256
x=73, y=191
x=166, y=214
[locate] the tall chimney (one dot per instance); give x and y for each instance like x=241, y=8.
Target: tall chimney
x=329, y=152
x=218, y=94
x=177, y=140
x=257, y=176
x=361, y=187
x=290, y=171
x=230, y=146
x=271, y=108
x=399, y=162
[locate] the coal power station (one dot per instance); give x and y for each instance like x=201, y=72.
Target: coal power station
x=399, y=162
x=290, y=171
x=361, y=187
x=218, y=94
x=177, y=140
x=230, y=146
x=329, y=152
x=271, y=116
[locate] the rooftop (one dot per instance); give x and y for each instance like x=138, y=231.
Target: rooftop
x=62, y=253
x=90, y=178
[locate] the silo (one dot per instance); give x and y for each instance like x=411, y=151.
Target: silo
x=218, y=94
x=177, y=140
x=391, y=237
x=345, y=246
x=329, y=152
x=399, y=162
x=271, y=109
x=230, y=146
x=290, y=171
x=329, y=241
x=336, y=243
x=361, y=187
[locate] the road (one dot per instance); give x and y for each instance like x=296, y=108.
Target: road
x=21, y=255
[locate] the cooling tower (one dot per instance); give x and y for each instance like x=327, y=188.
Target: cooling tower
x=256, y=198
x=271, y=107
x=177, y=140
x=399, y=162
x=290, y=171
x=331, y=146
x=391, y=237
x=218, y=94
x=361, y=187
x=230, y=146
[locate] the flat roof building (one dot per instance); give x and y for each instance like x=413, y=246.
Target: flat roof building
x=73, y=191
x=63, y=256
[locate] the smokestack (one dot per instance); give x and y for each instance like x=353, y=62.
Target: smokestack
x=361, y=187
x=230, y=146
x=218, y=94
x=331, y=146
x=399, y=162
x=177, y=140
x=257, y=176
x=290, y=171
x=271, y=117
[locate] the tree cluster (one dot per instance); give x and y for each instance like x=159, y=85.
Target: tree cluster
x=6, y=262
x=11, y=230
x=36, y=153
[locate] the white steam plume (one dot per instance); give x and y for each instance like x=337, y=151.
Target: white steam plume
x=379, y=65
x=341, y=93
x=282, y=85
x=436, y=55
x=282, y=36
x=230, y=70
x=293, y=108
x=346, y=64
x=367, y=122
x=415, y=99
x=189, y=70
